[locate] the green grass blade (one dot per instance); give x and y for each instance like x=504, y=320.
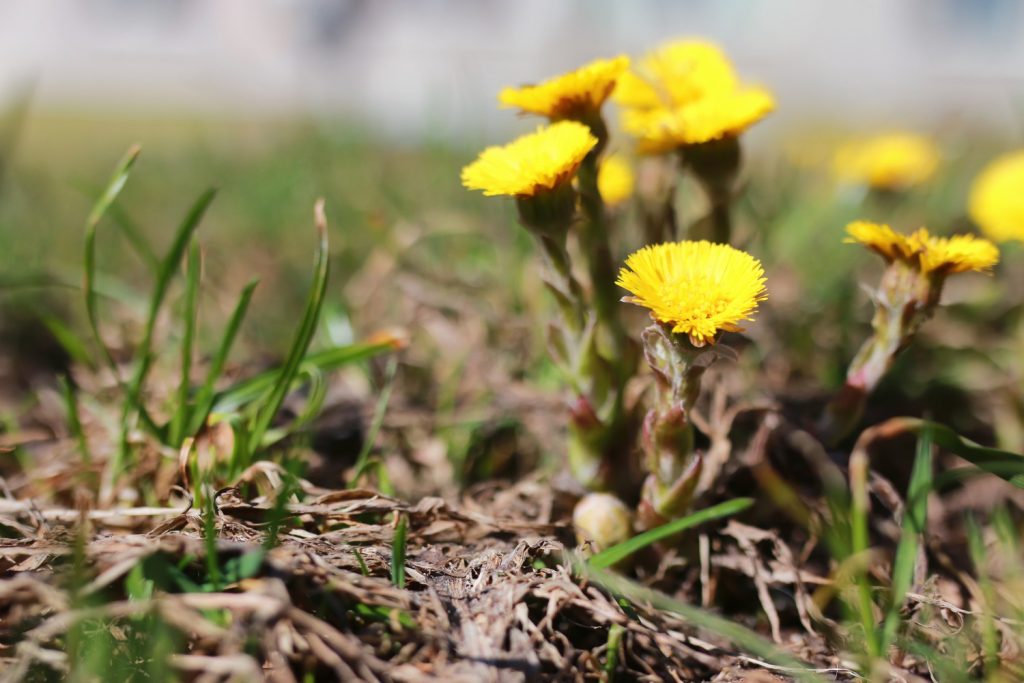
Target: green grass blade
x=168, y=268
x=110, y=193
x=398, y=551
x=611, y=661
x=189, y=322
x=74, y=420
x=363, y=461
x=617, y=553
x=68, y=340
x=135, y=238
x=248, y=390
x=205, y=397
x=310, y=320
x=747, y=640
x=915, y=522
x=1003, y=464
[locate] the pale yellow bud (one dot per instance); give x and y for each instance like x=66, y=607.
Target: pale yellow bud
x=603, y=520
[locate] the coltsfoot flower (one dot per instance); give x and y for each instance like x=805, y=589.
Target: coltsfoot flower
x=696, y=288
x=713, y=117
x=576, y=95
x=927, y=252
x=894, y=161
x=676, y=73
x=532, y=164
x=615, y=180
x=996, y=201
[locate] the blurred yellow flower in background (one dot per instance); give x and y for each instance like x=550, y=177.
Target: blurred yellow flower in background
x=615, y=179
x=711, y=118
x=698, y=288
x=894, y=161
x=533, y=163
x=687, y=93
x=574, y=95
x=676, y=73
x=996, y=201
x=930, y=253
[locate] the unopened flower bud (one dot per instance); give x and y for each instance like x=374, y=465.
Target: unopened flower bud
x=603, y=520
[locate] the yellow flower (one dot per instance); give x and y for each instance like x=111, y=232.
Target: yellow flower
x=533, y=163
x=881, y=239
x=996, y=202
x=699, y=288
x=930, y=253
x=711, y=118
x=895, y=161
x=675, y=74
x=574, y=95
x=614, y=180
x=956, y=254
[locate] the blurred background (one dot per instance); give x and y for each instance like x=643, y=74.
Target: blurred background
x=377, y=105
x=432, y=67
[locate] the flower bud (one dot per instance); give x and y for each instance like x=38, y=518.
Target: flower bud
x=603, y=520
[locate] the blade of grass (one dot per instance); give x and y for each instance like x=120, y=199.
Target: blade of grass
x=110, y=193
x=915, y=522
x=987, y=598
x=398, y=551
x=205, y=397
x=310, y=320
x=248, y=390
x=168, y=267
x=68, y=340
x=74, y=420
x=611, y=661
x=615, y=554
x=189, y=323
x=860, y=543
x=135, y=238
x=363, y=461
x=1004, y=464
x=747, y=640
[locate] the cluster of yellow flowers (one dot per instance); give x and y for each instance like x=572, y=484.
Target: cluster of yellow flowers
x=686, y=98
x=687, y=93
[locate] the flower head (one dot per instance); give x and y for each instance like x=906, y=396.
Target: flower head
x=676, y=73
x=614, y=180
x=532, y=164
x=573, y=95
x=698, y=288
x=881, y=239
x=996, y=202
x=711, y=118
x=927, y=252
x=956, y=254
x=894, y=161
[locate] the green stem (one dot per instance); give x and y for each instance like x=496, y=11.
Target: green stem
x=595, y=244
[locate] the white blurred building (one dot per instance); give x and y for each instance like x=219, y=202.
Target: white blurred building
x=434, y=66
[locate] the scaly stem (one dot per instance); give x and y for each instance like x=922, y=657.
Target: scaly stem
x=905, y=299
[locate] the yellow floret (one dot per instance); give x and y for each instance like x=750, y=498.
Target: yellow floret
x=576, y=94
x=533, y=163
x=698, y=288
